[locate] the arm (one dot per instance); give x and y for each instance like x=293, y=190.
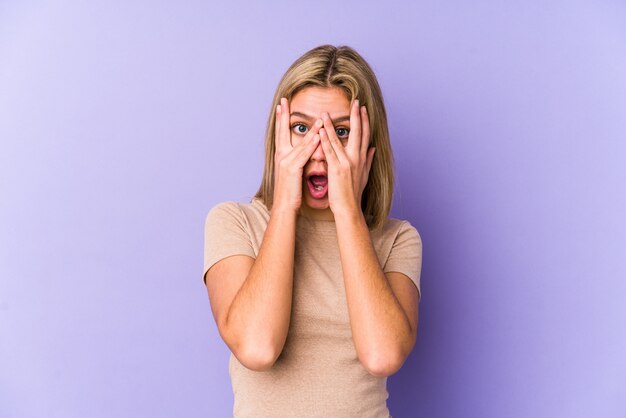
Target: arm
x=251, y=299
x=382, y=309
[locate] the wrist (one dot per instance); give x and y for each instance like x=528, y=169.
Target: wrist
x=352, y=214
x=283, y=211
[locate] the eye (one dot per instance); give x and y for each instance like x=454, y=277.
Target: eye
x=342, y=133
x=299, y=129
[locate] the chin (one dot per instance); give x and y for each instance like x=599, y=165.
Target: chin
x=319, y=204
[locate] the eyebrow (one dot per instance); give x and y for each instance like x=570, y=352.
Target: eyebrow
x=335, y=121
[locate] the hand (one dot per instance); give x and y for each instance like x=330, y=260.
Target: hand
x=348, y=167
x=289, y=161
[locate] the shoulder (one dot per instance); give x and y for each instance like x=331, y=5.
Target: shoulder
x=225, y=207
x=394, y=229
x=254, y=212
x=223, y=211
x=405, y=250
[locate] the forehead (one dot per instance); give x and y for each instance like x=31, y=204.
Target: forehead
x=315, y=100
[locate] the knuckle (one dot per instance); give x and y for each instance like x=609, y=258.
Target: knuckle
x=283, y=164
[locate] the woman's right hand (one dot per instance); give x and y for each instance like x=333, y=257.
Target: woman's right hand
x=289, y=160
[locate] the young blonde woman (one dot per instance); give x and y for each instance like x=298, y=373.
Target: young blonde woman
x=314, y=290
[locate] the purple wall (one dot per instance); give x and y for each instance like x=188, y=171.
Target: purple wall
x=122, y=124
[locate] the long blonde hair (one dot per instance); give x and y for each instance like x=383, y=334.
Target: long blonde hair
x=343, y=67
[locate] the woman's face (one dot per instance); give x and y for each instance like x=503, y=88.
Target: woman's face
x=306, y=107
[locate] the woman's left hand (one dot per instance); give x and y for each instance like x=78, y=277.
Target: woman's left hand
x=349, y=166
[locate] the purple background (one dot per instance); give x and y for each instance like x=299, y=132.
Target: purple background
x=123, y=123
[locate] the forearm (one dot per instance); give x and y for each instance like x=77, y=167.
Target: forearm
x=258, y=318
x=380, y=328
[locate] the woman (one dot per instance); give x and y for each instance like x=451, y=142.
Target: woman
x=312, y=288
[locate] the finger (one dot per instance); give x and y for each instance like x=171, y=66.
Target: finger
x=370, y=158
x=304, y=154
x=337, y=146
x=354, y=139
x=368, y=167
x=306, y=141
x=285, y=129
x=307, y=137
x=277, y=127
x=329, y=151
x=314, y=130
x=365, y=135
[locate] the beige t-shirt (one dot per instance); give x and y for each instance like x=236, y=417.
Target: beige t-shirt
x=318, y=373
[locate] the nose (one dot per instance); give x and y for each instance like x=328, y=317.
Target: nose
x=318, y=154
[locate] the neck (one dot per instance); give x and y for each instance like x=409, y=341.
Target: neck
x=316, y=214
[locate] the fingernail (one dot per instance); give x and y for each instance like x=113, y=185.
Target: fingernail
x=319, y=123
x=322, y=131
x=364, y=109
x=278, y=108
x=357, y=102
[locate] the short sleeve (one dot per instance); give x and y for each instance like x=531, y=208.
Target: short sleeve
x=225, y=234
x=406, y=254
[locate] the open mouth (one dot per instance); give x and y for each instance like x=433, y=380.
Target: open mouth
x=318, y=185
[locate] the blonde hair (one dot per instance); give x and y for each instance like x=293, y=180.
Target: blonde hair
x=342, y=67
